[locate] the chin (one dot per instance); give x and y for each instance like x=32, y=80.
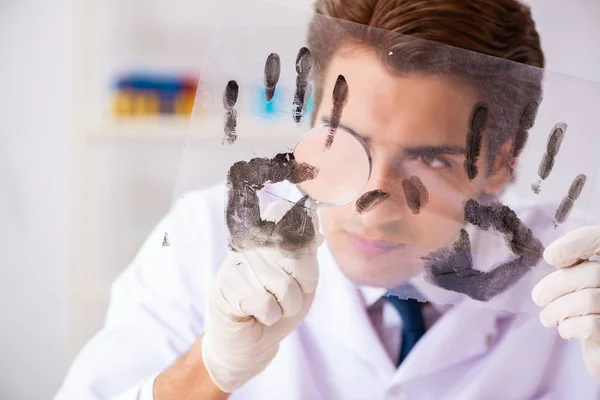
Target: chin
x=386, y=272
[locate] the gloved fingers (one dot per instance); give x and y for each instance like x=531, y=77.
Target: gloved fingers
x=584, y=327
x=303, y=266
x=277, y=210
x=581, y=302
x=316, y=222
x=319, y=238
x=276, y=281
x=577, y=245
x=566, y=280
x=591, y=356
x=304, y=270
x=243, y=295
x=263, y=306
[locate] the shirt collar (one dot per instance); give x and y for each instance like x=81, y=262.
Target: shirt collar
x=371, y=294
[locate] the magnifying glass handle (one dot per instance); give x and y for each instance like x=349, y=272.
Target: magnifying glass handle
x=311, y=203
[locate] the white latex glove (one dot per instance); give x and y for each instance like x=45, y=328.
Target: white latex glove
x=571, y=295
x=259, y=297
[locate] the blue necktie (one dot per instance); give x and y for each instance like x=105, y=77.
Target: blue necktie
x=413, y=325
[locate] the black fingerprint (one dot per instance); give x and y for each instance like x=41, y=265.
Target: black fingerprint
x=566, y=205
x=526, y=122
x=246, y=227
x=229, y=125
x=473, y=148
x=503, y=219
x=230, y=96
x=577, y=186
x=272, y=72
x=479, y=117
x=416, y=194
x=340, y=98
x=369, y=200
x=295, y=228
x=457, y=260
x=304, y=62
x=452, y=269
x=552, y=147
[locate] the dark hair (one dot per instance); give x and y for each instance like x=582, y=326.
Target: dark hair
x=499, y=28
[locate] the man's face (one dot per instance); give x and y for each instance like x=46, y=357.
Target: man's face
x=413, y=125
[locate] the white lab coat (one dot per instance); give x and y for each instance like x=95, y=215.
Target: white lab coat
x=158, y=306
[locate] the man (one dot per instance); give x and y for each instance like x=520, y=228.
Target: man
x=197, y=320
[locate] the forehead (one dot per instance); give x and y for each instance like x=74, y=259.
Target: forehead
x=411, y=108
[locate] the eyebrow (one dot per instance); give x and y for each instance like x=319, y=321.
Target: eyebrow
x=416, y=150
x=434, y=150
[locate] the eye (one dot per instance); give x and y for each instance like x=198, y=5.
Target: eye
x=434, y=161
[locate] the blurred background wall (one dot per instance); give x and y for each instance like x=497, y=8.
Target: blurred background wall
x=35, y=86
x=80, y=188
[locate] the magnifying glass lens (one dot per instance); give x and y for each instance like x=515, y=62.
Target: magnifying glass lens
x=344, y=167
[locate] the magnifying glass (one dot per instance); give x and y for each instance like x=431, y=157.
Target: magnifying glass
x=344, y=166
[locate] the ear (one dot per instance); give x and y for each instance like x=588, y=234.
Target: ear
x=502, y=171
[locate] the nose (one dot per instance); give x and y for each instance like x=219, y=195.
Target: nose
x=385, y=177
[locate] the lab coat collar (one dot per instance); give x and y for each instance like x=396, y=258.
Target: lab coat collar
x=340, y=312
x=371, y=294
x=459, y=335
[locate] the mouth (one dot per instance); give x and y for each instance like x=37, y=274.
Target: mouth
x=373, y=247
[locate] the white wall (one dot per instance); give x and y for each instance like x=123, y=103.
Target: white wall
x=34, y=176
x=34, y=192
x=569, y=32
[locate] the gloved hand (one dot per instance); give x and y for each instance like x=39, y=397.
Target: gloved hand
x=571, y=295
x=260, y=296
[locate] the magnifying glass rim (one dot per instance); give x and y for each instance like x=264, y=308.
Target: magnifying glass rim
x=361, y=141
